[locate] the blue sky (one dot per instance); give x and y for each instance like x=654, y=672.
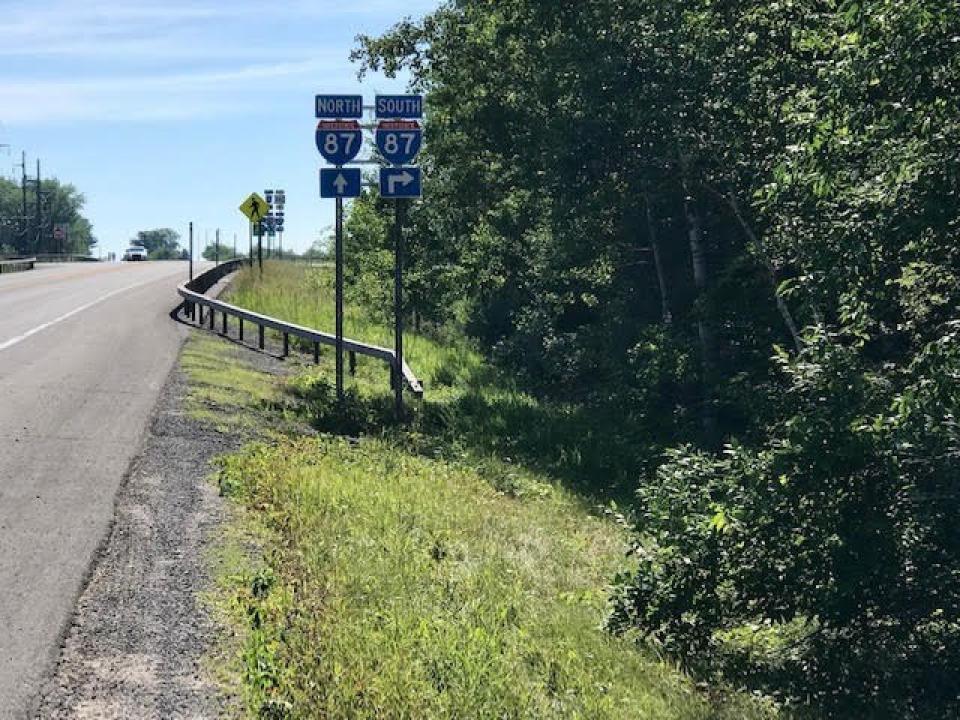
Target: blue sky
x=167, y=112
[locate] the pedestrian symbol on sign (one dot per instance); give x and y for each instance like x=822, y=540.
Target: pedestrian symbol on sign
x=254, y=207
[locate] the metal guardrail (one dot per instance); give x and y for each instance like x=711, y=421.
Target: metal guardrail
x=193, y=294
x=64, y=258
x=17, y=264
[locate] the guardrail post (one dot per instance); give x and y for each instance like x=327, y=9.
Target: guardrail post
x=286, y=344
x=241, y=329
x=224, y=324
x=316, y=353
x=261, y=338
x=353, y=364
x=212, y=313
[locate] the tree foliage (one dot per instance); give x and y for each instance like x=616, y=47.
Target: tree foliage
x=60, y=204
x=219, y=251
x=161, y=244
x=739, y=222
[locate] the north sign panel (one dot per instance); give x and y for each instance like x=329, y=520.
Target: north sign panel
x=339, y=107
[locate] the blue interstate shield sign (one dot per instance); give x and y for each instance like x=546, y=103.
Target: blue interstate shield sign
x=339, y=141
x=403, y=182
x=340, y=182
x=399, y=141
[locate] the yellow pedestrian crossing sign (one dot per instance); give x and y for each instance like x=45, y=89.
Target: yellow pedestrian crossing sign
x=255, y=208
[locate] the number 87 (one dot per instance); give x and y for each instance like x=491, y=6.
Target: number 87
x=391, y=142
x=332, y=146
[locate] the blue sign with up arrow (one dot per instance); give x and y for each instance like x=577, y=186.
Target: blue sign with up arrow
x=400, y=182
x=340, y=182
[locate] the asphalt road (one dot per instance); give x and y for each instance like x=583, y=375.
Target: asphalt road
x=84, y=352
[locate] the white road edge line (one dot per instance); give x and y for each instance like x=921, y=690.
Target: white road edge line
x=66, y=316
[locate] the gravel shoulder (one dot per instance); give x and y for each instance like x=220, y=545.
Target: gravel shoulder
x=140, y=631
x=141, y=639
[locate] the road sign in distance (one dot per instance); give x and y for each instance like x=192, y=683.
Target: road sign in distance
x=400, y=182
x=254, y=207
x=339, y=141
x=337, y=107
x=399, y=141
x=399, y=106
x=340, y=182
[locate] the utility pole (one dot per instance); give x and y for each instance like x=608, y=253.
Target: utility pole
x=234, y=246
x=39, y=234
x=216, y=248
x=23, y=190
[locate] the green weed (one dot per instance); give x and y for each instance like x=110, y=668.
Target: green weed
x=421, y=572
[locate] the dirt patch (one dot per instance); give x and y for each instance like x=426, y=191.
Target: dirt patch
x=141, y=630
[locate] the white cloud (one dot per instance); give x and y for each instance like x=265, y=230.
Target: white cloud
x=102, y=27
x=139, y=97
x=120, y=59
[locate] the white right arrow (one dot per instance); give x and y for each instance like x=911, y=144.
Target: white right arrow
x=403, y=179
x=340, y=184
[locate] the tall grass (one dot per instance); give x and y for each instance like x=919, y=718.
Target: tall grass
x=406, y=587
x=439, y=571
x=468, y=403
x=304, y=295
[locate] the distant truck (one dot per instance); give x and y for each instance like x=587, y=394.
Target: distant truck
x=135, y=252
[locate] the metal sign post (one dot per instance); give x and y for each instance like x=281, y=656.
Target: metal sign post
x=339, y=138
x=216, y=249
x=399, y=138
x=255, y=208
x=191, y=252
x=339, y=298
x=260, y=247
x=398, y=218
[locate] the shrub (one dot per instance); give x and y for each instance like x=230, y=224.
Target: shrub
x=842, y=523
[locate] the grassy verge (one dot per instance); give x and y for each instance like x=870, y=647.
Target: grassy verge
x=416, y=573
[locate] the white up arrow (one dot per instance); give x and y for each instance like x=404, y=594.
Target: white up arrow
x=403, y=179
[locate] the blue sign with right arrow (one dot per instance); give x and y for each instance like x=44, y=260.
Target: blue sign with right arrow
x=340, y=182
x=400, y=182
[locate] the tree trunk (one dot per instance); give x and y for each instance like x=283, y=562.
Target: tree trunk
x=658, y=262
x=771, y=270
x=708, y=352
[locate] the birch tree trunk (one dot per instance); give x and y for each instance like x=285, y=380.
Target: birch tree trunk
x=771, y=270
x=658, y=262
x=708, y=350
